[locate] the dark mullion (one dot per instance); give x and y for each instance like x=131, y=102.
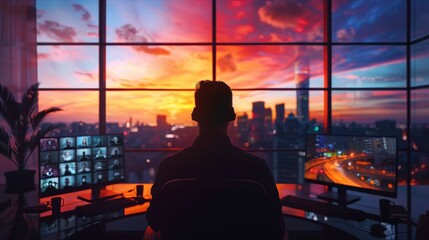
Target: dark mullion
x=159, y=44
x=68, y=89
x=368, y=89
x=137, y=150
x=408, y=59
x=234, y=89
x=229, y=43
x=102, y=67
x=67, y=43
x=420, y=39
x=420, y=87
x=368, y=43
x=214, y=40
x=328, y=66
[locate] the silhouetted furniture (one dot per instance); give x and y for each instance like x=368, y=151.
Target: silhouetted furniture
x=214, y=209
x=422, y=229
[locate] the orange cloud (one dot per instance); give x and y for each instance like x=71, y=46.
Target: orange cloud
x=244, y=29
x=226, y=63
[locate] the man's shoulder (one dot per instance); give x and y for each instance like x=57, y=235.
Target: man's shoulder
x=245, y=154
x=182, y=154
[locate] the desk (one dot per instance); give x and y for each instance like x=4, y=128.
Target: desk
x=14, y=224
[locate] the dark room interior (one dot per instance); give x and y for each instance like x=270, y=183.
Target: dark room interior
x=333, y=95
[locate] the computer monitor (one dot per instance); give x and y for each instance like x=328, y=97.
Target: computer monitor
x=360, y=163
x=73, y=163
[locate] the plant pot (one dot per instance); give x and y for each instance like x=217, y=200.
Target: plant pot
x=20, y=181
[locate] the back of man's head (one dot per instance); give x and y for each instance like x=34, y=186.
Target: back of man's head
x=213, y=103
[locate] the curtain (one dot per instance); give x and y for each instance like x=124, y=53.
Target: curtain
x=18, y=53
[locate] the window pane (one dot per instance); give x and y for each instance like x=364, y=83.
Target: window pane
x=368, y=66
x=369, y=113
x=141, y=167
x=419, y=119
x=419, y=63
x=160, y=119
x=402, y=168
x=419, y=168
x=79, y=113
x=270, y=66
x=368, y=21
x=274, y=119
x=68, y=66
x=269, y=21
x=158, y=66
x=67, y=21
x=159, y=21
x=287, y=167
x=419, y=18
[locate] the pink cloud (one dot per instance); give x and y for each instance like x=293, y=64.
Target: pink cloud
x=240, y=15
x=86, y=16
x=244, y=29
x=41, y=56
x=346, y=35
x=88, y=77
x=57, y=31
x=40, y=13
x=130, y=34
x=92, y=34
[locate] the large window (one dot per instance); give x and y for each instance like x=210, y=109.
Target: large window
x=295, y=67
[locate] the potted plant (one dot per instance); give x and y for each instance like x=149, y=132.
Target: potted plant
x=20, y=133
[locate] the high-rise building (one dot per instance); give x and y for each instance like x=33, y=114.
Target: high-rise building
x=161, y=121
x=268, y=121
x=280, y=112
x=258, y=121
x=243, y=129
x=302, y=79
x=287, y=166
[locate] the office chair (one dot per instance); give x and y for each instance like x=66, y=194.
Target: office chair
x=213, y=209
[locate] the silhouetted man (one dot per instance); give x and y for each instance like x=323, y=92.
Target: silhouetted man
x=212, y=156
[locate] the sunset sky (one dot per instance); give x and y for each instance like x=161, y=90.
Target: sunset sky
x=251, y=66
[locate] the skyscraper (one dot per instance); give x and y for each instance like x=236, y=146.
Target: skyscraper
x=280, y=112
x=302, y=79
x=258, y=121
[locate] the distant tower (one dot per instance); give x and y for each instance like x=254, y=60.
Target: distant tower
x=161, y=122
x=258, y=121
x=280, y=112
x=268, y=119
x=302, y=79
x=243, y=126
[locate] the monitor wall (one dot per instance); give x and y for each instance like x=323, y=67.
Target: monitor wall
x=73, y=163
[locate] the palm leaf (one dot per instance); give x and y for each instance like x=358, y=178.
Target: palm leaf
x=37, y=118
x=19, y=141
x=8, y=106
x=29, y=101
x=5, y=148
x=33, y=140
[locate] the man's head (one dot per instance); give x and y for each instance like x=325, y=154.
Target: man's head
x=213, y=103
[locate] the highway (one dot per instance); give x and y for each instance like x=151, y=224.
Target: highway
x=333, y=170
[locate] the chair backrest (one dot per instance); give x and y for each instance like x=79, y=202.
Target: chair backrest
x=209, y=209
